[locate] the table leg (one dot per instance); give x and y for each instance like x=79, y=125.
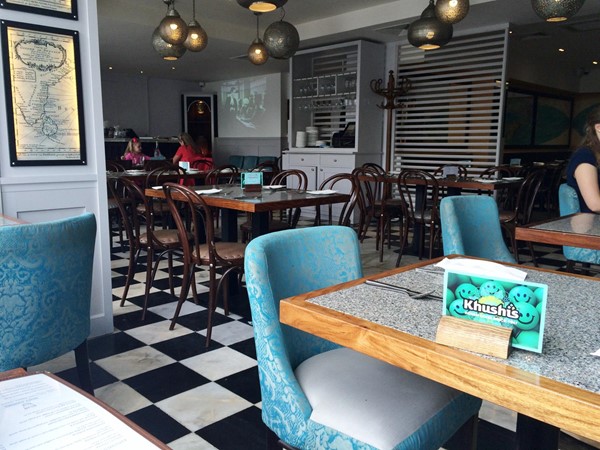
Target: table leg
x=260, y=224
x=229, y=228
x=535, y=435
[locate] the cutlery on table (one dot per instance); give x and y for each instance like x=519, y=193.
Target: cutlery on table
x=411, y=293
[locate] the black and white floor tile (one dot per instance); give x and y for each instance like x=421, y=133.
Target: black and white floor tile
x=193, y=397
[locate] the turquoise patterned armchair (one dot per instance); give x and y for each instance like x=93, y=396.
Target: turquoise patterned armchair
x=316, y=394
x=568, y=203
x=45, y=292
x=470, y=226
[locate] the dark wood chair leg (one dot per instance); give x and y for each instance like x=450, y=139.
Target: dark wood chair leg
x=83, y=367
x=274, y=443
x=535, y=435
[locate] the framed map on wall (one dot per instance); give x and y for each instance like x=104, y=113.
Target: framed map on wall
x=44, y=101
x=67, y=9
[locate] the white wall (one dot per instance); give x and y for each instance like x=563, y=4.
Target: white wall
x=40, y=193
x=150, y=106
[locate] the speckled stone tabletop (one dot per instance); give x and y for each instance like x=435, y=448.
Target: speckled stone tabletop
x=584, y=223
x=572, y=330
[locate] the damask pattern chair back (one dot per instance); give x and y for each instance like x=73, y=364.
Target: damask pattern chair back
x=471, y=227
x=45, y=292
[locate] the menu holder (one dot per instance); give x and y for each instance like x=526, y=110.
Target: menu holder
x=492, y=340
x=252, y=181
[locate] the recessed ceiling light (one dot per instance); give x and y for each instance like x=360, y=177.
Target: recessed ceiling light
x=595, y=62
x=141, y=71
x=109, y=67
x=172, y=68
x=561, y=49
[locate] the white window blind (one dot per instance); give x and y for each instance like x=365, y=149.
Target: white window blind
x=453, y=111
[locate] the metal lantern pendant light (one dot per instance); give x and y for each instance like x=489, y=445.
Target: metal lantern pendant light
x=257, y=52
x=281, y=39
x=168, y=51
x=172, y=28
x=556, y=10
x=197, y=39
x=428, y=33
x=261, y=6
x=451, y=11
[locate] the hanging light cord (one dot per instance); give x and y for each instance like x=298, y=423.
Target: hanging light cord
x=194, y=9
x=257, y=15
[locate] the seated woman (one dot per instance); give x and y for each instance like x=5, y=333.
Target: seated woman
x=133, y=153
x=583, y=169
x=196, y=154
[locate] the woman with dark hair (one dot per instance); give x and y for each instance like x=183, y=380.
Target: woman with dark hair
x=583, y=169
x=191, y=152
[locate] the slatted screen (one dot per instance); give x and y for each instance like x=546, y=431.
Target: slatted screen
x=453, y=111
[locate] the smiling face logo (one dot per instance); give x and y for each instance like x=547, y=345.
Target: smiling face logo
x=457, y=309
x=467, y=290
x=522, y=294
x=492, y=288
x=529, y=316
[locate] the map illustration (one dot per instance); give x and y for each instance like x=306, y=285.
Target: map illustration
x=44, y=95
x=53, y=5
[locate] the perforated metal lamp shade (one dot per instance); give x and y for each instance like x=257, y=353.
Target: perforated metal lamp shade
x=281, y=40
x=257, y=52
x=172, y=28
x=168, y=51
x=556, y=10
x=427, y=32
x=261, y=6
x=451, y=11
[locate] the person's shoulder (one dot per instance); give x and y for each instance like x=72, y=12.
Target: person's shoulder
x=584, y=154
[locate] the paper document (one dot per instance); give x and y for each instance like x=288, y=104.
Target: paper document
x=481, y=267
x=36, y=411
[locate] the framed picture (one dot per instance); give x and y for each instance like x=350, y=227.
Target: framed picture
x=552, y=121
x=66, y=9
x=44, y=100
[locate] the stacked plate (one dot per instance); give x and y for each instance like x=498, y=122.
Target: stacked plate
x=312, y=134
x=301, y=139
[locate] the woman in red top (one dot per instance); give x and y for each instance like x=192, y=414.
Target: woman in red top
x=196, y=155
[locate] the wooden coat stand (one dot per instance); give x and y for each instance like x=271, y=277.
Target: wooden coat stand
x=392, y=101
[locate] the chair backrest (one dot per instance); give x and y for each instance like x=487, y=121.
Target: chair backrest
x=497, y=172
x=370, y=188
x=342, y=182
x=227, y=174
x=526, y=196
x=164, y=173
x=272, y=159
x=249, y=162
x=236, y=160
x=376, y=167
x=471, y=227
x=293, y=178
x=568, y=201
x=280, y=265
x=423, y=210
x=153, y=164
x=45, y=289
x=202, y=164
x=115, y=166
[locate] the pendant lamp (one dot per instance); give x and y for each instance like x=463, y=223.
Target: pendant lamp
x=197, y=39
x=281, y=39
x=261, y=6
x=556, y=10
x=257, y=52
x=168, y=51
x=428, y=33
x=451, y=11
x=172, y=28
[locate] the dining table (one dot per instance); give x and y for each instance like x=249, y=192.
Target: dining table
x=575, y=230
x=232, y=199
x=558, y=388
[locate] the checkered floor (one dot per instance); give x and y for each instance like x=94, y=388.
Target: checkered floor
x=190, y=396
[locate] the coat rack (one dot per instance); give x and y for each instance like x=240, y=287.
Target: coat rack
x=392, y=101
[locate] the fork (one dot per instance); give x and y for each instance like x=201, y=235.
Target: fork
x=412, y=294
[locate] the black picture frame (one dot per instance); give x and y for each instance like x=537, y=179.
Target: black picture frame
x=44, y=99
x=54, y=8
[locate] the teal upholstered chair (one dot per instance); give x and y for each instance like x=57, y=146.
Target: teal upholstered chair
x=470, y=226
x=568, y=203
x=236, y=160
x=318, y=395
x=45, y=292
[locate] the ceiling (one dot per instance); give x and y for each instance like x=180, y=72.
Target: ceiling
x=125, y=28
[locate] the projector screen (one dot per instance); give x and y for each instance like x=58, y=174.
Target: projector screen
x=250, y=107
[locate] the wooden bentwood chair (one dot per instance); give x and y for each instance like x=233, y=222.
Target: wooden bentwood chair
x=202, y=250
x=343, y=182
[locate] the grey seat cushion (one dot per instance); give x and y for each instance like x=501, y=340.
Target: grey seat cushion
x=378, y=403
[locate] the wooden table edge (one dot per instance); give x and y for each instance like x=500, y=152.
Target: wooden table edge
x=563, y=405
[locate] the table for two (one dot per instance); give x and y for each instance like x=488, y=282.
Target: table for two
x=232, y=200
x=575, y=230
x=560, y=387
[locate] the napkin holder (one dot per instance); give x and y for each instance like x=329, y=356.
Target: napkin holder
x=252, y=181
x=492, y=340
